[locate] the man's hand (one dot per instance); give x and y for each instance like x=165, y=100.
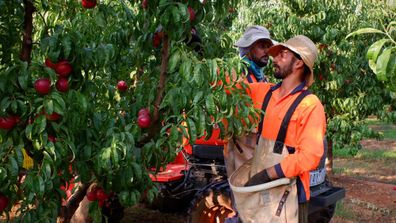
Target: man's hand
x=259, y=178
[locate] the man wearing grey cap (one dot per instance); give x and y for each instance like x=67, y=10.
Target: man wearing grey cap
x=253, y=48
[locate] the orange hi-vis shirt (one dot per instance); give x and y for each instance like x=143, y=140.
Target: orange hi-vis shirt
x=305, y=133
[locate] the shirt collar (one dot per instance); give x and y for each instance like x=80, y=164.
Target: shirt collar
x=299, y=88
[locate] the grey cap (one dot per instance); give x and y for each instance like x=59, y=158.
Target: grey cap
x=252, y=34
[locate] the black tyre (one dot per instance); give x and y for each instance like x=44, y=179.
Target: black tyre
x=211, y=205
x=322, y=216
x=114, y=212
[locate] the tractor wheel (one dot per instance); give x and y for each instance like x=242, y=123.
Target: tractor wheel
x=322, y=216
x=211, y=206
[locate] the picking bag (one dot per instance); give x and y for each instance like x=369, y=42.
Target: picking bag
x=275, y=201
x=271, y=202
x=238, y=151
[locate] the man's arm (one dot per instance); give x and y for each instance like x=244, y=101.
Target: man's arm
x=311, y=130
x=310, y=135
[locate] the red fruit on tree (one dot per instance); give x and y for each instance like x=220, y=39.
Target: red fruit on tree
x=51, y=138
x=101, y=195
x=88, y=4
x=143, y=112
x=101, y=203
x=91, y=196
x=332, y=67
x=62, y=85
x=3, y=202
x=192, y=13
x=49, y=63
x=63, y=68
x=122, y=86
x=320, y=77
x=145, y=4
x=42, y=86
x=156, y=40
x=8, y=122
x=144, y=121
x=53, y=117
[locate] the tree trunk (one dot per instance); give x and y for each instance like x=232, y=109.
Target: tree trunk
x=329, y=159
x=68, y=211
x=27, y=42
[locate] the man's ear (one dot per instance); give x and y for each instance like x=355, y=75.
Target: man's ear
x=299, y=64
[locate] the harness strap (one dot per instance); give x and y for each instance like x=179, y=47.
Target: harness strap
x=280, y=139
x=249, y=78
x=263, y=109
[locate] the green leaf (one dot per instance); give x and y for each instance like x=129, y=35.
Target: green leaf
x=174, y=61
x=201, y=124
x=137, y=170
x=391, y=70
x=382, y=64
x=364, y=31
x=28, y=132
x=185, y=68
x=124, y=198
x=192, y=130
x=3, y=174
x=23, y=78
x=41, y=124
x=66, y=43
x=13, y=168
x=176, y=15
x=213, y=71
x=374, y=51
x=198, y=77
x=198, y=96
x=210, y=105
x=49, y=106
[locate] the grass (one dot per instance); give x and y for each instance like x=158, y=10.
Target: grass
x=387, y=129
x=376, y=154
x=344, y=212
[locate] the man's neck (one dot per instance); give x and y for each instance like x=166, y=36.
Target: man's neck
x=288, y=85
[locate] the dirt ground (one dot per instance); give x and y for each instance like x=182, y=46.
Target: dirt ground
x=370, y=182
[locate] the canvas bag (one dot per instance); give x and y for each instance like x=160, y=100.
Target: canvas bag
x=277, y=200
x=238, y=151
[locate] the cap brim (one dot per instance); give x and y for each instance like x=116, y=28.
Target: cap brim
x=245, y=43
x=274, y=50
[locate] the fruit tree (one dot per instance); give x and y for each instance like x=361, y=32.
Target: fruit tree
x=103, y=91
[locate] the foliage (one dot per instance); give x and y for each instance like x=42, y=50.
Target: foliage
x=381, y=54
x=344, y=83
x=97, y=134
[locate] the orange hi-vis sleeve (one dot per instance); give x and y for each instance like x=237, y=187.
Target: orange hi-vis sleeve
x=305, y=133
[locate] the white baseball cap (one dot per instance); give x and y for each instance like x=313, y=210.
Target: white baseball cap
x=252, y=34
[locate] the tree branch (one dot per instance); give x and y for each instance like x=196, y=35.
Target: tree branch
x=162, y=78
x=73, y=203
x=27, y=43
x=155, y=122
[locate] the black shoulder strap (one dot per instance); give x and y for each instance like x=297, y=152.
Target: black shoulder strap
x=263, y=110
x=249, y=78
x=280, y=139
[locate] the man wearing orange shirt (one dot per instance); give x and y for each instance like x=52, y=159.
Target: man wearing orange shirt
x=293, y=62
